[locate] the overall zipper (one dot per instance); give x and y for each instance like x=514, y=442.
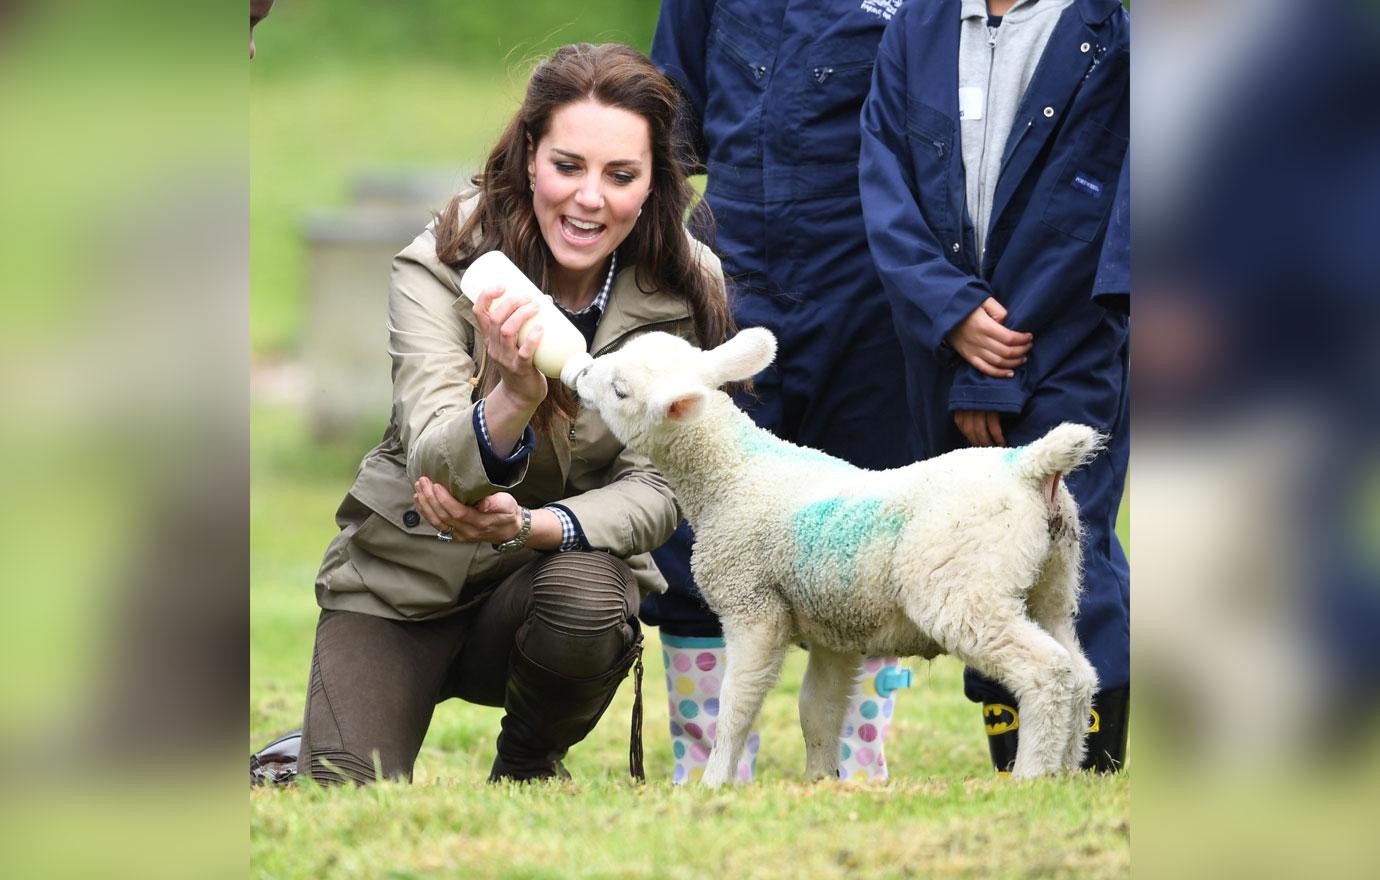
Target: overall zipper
x=982, y=160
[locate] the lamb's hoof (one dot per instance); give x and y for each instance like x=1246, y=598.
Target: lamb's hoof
x=1021, y=774
x=712, y=782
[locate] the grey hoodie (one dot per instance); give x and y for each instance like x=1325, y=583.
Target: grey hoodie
x=994, y=67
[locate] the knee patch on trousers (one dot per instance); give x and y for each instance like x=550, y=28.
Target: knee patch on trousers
x=584, y=594
x=583, y=612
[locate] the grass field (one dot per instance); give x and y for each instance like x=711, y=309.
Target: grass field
x=943, y=814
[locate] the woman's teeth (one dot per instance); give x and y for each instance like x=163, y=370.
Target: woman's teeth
x=581, y=228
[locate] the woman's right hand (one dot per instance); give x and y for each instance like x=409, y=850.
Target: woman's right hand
x=500, y=317
x=982, y=341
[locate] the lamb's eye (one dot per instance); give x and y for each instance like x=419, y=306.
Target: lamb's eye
x=620, y=389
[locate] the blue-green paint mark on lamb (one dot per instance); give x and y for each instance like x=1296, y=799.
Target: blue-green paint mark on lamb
x=756, y=442
x=829, y=534
x=1009, y=457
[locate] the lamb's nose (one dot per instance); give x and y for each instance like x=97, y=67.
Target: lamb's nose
x=575, y=369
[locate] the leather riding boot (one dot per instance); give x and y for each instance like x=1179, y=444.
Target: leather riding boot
x=546, y=713
x=276, y=763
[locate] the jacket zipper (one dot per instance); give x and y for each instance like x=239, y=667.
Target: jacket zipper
x=982, y=160
x=822, y=73
x=640, y=328
x=757, y=70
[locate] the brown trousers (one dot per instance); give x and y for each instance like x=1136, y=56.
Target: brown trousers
x=375, y=682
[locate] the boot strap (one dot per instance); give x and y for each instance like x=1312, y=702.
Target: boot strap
x=635, y=768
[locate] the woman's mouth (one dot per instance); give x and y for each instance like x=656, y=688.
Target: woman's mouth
x=580, y=231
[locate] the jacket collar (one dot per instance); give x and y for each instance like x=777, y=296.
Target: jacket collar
x=630, y=308
x=1097, y=11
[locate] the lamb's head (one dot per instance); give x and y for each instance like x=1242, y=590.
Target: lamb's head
x=658, y=382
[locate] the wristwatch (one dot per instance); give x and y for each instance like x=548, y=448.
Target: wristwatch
x=518, y=541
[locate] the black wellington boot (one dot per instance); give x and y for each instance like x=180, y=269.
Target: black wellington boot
x=276, y=763
x=546, y=713
x=1002, y=723
x=1107, y=733
x=1106, y=742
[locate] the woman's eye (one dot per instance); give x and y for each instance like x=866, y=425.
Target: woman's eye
x=567, y=167
x=624, y=177
x=620, y=389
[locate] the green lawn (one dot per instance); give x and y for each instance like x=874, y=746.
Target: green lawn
x=943, y=814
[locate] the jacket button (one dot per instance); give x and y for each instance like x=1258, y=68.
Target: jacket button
x=411, y=518
x=1084, y=48
x=955, y=247
x=1049, y=112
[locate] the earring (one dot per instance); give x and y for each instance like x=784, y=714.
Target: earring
x=639, y=212
x=532, y=184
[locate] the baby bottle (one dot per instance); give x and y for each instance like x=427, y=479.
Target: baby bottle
x=562, y=344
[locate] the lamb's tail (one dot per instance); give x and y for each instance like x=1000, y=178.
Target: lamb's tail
x=1064, y=449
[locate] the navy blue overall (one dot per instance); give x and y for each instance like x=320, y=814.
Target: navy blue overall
x=773, y=90
x=1061, y=176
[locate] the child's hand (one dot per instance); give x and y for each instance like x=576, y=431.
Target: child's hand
x=982, y=341
x=980, y=427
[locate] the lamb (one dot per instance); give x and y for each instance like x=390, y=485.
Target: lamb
x=974, y=553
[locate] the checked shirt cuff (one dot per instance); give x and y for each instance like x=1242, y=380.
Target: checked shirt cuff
x=572, y=536
x=500, y=469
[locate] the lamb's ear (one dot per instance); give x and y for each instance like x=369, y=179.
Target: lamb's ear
x=682, y=403
x=742, y=357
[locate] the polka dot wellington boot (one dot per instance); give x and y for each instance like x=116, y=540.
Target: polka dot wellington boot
x=694, y=675
x=869, y=716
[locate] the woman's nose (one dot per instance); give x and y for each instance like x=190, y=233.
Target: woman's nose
x=590, y=196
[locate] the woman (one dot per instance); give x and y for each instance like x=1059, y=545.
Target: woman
x=494, y=545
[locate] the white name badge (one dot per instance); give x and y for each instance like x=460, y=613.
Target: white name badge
x=970, y=103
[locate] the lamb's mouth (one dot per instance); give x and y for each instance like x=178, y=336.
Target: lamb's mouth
x=574, y=371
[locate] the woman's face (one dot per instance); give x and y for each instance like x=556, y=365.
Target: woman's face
x=592, y=171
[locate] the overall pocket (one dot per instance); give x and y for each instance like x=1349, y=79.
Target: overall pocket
x=1082, y=196
x=930, y=136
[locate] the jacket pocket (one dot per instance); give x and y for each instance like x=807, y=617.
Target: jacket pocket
x=417, y=574
x=733, y=46
x=930, y=136
x=829, y=87
x=737, y=70
x=1082, y=196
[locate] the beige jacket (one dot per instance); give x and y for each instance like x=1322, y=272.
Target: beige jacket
x=387, y=561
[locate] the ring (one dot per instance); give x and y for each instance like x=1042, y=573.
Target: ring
x=448, y=535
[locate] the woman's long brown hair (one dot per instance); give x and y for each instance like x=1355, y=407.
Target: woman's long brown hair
x=503, y=219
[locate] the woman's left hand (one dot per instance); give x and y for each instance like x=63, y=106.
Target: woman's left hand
x=495, y=519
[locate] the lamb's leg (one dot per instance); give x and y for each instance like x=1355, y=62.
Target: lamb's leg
x=1053, y=605
x=824, y=695
x=754, y=654
x=1001, y=642
x=1040, y=672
